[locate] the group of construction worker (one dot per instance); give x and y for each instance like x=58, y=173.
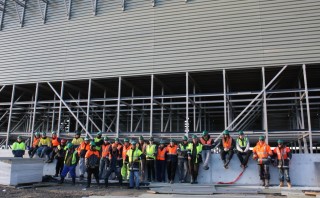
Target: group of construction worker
x=129, y=160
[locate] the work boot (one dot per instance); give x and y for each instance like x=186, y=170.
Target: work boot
x=73, y=181
x=281, y=184
x=81, y=177
x=61, y=180
x=289, y=184
x=263, y=182
x=191, y=182
x=267, y=183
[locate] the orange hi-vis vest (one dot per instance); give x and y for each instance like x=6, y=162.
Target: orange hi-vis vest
x=282, y=153
x=161, y=155
x=90, y=152
x=106, y=150
x=35, y=142
x=83, y=146
x=55, y=142
x=227, y=144
x=206, y=142
x=262, y=151
x=172, y=150
x=124, y=152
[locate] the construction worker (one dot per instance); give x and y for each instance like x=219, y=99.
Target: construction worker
x=60, y=155
x=70, y=162
x=172, y=160
x=151, y=153
x=283, y=156
x=194, y=158
x=92, y=160
x=161, y=162
x=44, y=146
x=183, y=159
x=142, y=147
x=207, y=144
x=227, y=145
x=124, y=165
x=113, y=165
x=99, y=141
x=18, y=147
x=82, y=150
x=243, y=149
x=262, y=153
x=34, y=146
x=55, y=142
x=133, y=158
x=106, y=147
x=77, y=140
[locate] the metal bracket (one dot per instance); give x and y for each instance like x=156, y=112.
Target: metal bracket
x=23, y=5
x=3, y=4
x=68, y=8
x=94, y=7
x=123, y=5
x=43, y=7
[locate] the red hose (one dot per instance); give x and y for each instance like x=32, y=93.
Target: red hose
x=234, y=181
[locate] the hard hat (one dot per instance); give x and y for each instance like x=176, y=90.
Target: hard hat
x=204, y=133
x=99, y=133
x=92, y=143
x=126, y=140
x=19, y=137
x=185, y=138
x=44, y=134
x=280, y=141
x=133, y=142
x=141, y=137
x=36, y=133
x=241, y=133
x=261, y=137
x=172, y=140
x=161, y=141
x=86, y=138
x=194, y=136
x=106, y=138
x=116, y=139
x=53, y=132
x=225, y=132
x=69, y=145
x=151, y=139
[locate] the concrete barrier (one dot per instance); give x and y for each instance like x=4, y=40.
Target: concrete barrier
x=304, y=170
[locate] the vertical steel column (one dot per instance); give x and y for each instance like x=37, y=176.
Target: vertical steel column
x=53, y=113
x=88, y=105
x=34, y=113
x=60, y=107
x=151, y=106
x=118, y=108
x=300, y=145
x=187, y=104
x=77, y=124
x=305, y=145
x=194, y=109
x=104, y=111
x=225, y=100
x=265, y=116
x=308, y=106
x=301, y=107
x=170, y=118
x=162, y=93
x=142, y=120
x=10, y=115
x=131, y=116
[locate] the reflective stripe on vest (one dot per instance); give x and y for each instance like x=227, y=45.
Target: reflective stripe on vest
x=183, y=147
x=206, y=142
x=161, y=154
x=98, y=148
x=243, y=142
x=227, y=144
x=263, y=154
x=134, y=155
x=199, y=149
x=150, y=151
x=282, y=153
x=74, y=157
x=124, y=151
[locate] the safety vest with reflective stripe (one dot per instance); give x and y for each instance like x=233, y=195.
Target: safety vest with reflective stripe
x=105, y=150
x=134, y=154
x=161, y=155
x=90, y=152
x=45, y=142
x=198, y=147
x=124, y=151
x=243, y=142
x=206, y=142
x=282, y=153
x=98, y=148
x=150, y=151
x=262, y=151
x=227, y=144
x=83, y=146
x=74, y=157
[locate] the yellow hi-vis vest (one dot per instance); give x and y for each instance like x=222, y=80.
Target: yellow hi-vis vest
x=199, y=150
x=150, y=151
x=74, y=157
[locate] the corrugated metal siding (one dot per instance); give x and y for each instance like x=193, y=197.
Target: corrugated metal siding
x=174, y=36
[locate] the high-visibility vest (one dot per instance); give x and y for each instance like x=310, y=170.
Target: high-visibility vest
x=227, y=144
x=74, y=157
x=77, y=141
x=150, y=151
x=124, y=151
x=91, y=152
x=105, y=150
x=242, y=142
x=18, y=146
x=55, y=141
x=282, y=153
x=172, y=150
x=83, y=146
x=35, y=142
x=96, y=139
x=183, y=147
x=198, y=148
x=134, y=154
x=262, y=151
x=206, y=142
x=161, y=155
x=45, y=142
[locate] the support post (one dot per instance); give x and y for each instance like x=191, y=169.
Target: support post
x=10, y=115
x=225, y=100
x=34, y=112
x=88, y=104
x=60, y=108
x=77, y=124
x=131, y=115
x=265, y=116
x=162, y=93
x=104, y=111
x=186, y=130
x=53, y=113
x=118, y=107
x=151, y=105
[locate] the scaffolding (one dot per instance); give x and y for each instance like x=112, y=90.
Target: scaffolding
x=277, y=102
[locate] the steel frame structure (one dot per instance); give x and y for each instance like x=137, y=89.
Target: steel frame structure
x=156, y=107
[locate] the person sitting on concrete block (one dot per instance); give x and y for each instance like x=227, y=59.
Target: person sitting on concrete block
x=283, y=156
x=70, y=162
x=243, y=149
x=227, y=145
x=34, y=147
x=18, y=147
x=77, y=140
x=55, y=142
x=44, y=146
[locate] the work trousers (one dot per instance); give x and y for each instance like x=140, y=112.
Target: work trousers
x=59, y=165
x=244, y=157
x=134, y=179
x=32, y=151
x=151, y=169
x=224, y=157
x=264, y=171
x=69, y=169
x=142, y=169
x=206, y=156
x=194, y=170
x=103, y=167
x=82, y=166
x=284, y=174
x=183, y=168
x=161, y=170
x=116, y=170
x=95, y=172
x=171, y=169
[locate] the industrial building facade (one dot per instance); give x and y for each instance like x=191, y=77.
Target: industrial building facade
x=137, y=67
